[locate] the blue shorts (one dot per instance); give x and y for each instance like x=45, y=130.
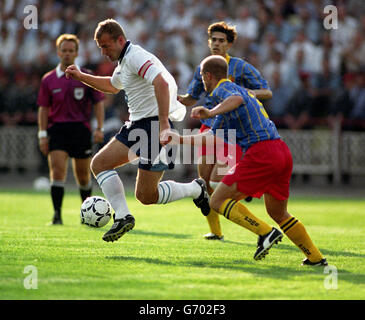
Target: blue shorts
x=142, y=137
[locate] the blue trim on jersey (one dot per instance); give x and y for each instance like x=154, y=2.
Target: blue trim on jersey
x=250, y=119
x=240, y=72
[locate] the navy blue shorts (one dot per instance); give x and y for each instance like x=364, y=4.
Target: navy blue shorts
x=142, y=137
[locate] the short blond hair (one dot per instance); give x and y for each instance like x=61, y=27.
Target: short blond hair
x=111, y=27
x=67, y=37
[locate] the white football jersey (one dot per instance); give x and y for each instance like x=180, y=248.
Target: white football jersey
x=135, y=73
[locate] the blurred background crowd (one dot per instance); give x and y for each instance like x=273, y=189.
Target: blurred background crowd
x=316, y=75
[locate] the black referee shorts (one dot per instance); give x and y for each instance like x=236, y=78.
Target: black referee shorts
x=143, y=138
x=72, y=137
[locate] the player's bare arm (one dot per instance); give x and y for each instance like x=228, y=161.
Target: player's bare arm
x=262, y=94
x=102, y=84
x=42, y=127
x=200, y=139
x=187, y=100
x=163, y=100
x=229, y=104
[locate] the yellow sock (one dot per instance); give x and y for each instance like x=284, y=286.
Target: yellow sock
x=238, y=213
x=214, y=224
x=296, y=232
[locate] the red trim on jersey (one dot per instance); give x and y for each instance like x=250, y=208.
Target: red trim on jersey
x=147, y=69
x=144, y=68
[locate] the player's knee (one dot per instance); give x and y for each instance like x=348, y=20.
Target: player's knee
x=96, y=165
x=57, y=173
x=278, y=215
x=83, y=181
x=145, y=198
x=215, y=203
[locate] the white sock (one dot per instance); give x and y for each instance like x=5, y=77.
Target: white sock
x=113, y=189
x=169, y=191
x=213, y=184
x=57, y=183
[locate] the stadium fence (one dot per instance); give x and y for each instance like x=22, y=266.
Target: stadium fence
x=315, y=152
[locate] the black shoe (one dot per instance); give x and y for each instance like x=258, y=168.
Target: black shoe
x=56, y=221
x=307, y=262
x=248, y=199
x=56, y=218
x=119, y=228
x=265, y=242
x=202, y=201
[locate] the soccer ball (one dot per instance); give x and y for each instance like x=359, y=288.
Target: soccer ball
x=95, y=212
x=41, y=184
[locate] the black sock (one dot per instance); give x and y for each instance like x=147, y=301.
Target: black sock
x=84, y=193
x=57, y=193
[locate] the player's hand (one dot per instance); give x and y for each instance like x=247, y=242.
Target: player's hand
x=164, y=130
x=169, y=137
x=165, y=136
x=73, y=72
x=200, y=113
x=43, y=146
x=252, y=92
x=98, y=136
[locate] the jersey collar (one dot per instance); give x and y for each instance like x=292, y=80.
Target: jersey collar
x=124, y=50
x=228, y=58
x=219, y=83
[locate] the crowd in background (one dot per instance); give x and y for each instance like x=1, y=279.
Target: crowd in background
x=316, y=75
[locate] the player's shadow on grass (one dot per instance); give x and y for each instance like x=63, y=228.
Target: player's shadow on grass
x=325, y=252
x=144, y=233
x=258, y=269
x=252, y=267
x=161, y=234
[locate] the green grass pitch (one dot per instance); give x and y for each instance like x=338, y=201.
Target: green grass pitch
x=165, y=257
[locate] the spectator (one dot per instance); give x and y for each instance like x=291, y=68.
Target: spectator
x=246, y=24
x=7, y=48
x=300, y=106
x=346, y=27
x=281, y=28
x=277, y=106
x=324, y=85
x=339, y=113
x=354, y=54
x=357, y=95
x=70, y=23
x=287, y=74
x=327, y=50
x=310, y=25
x=52, y=22
x=269, y=43
x=309, y=59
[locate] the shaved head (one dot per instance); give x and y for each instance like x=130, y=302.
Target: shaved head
x=213, y=69
x=216, y=65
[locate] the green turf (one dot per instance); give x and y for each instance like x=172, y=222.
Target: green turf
x=165, y=256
